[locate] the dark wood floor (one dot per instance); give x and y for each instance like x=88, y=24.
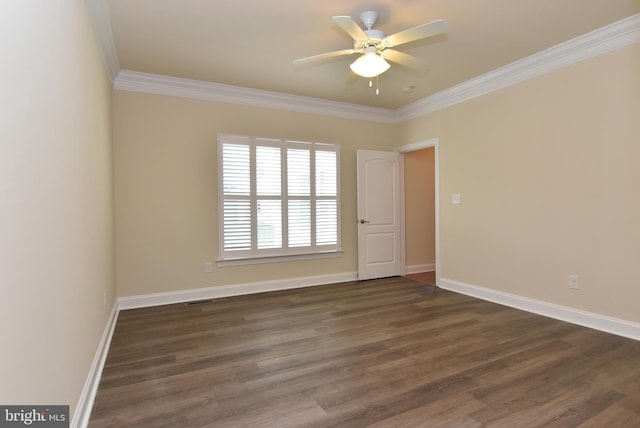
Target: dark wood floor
x=426, y=277
x=384, y=353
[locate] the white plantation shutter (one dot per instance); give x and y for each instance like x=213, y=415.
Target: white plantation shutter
x=326, y=191
x=326, y=173
x=236, y=169
x=269, y=214
x=326, y=227
x=298, y=172
x=277, y=198
x=236, y=204
x=299, y=218
x=268, y=171
x=237, y=225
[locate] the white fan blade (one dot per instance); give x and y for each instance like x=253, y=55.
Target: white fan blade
x=350, y=27
x=404, y=59
x=423, y=31
x=314, y=58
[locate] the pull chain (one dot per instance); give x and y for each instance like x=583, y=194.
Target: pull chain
x=377, y=87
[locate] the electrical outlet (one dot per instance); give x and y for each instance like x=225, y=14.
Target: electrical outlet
x=573, y=282
x=456, y=199
x=208, y=267
x=104, y=296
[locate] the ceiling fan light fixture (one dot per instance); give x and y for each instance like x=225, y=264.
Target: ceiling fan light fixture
x=369, y=65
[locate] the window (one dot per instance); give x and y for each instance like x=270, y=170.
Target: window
x=277, y=198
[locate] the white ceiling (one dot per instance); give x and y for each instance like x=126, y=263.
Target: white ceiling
x=252, y=43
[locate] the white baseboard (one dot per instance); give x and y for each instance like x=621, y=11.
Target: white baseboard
x=88, y=396
x=157, y=299
x=604, y=323
x=427, y=267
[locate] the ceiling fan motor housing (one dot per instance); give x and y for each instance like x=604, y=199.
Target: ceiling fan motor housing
x=374, y=37
x=369, y=18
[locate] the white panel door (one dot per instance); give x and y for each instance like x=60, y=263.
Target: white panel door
x=379, y=223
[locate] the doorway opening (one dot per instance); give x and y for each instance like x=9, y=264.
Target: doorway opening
x=420, y=210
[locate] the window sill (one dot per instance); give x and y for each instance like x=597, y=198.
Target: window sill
x=276, y=259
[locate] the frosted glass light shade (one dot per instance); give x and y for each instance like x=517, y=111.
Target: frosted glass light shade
x=370, y=65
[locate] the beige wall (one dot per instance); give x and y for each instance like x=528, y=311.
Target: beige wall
x=166, y=188
x=420, y=214
x=546, y=170
x=548, y=173
x=56, y=220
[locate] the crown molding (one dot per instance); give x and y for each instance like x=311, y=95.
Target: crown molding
x=164, y=85
x=99, y=13
x=606, y=39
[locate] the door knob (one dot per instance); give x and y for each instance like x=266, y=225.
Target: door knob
x=363, y=221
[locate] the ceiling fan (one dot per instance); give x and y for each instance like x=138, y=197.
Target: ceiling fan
x=375, y=46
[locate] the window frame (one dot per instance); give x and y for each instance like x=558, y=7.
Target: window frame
x=254, y=254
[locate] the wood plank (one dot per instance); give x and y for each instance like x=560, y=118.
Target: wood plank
x=390, y=352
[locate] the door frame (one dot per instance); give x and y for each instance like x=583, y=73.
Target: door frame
x=425, y=144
